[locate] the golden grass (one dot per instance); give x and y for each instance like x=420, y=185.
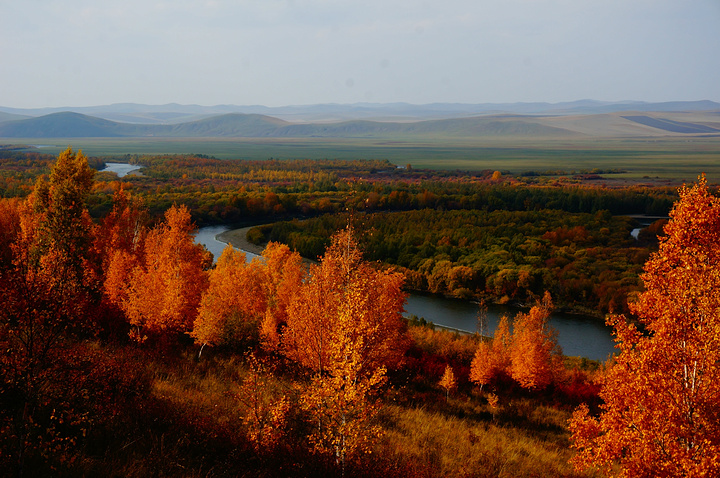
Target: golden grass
x=442, y=444
x=192, y=425
x=449, y=345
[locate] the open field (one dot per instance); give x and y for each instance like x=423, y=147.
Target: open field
x=669, y=157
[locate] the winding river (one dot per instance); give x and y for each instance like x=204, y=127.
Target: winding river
x=577, y=335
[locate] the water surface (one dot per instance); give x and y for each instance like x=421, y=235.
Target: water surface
x=121, y=169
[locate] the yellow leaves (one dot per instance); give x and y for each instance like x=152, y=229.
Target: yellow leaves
x=531, y=356
x=345, y=286
x=244, y=300
x=534, y=352
x=342, y=406
x=266, y=415
x=492, y=358
x=164, y=289
x=448, y=381
x=661, y=412
x=234, y=293
x=344, y=324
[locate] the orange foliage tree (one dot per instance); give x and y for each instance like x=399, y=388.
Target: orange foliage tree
x=234, y=303
x=531, y=355
x=345, y=325
x=47, y=291
x=342, y=401
x=341, y=282
x=661, y=412
x=56, y=230
x=284, y=274
x=492, y=358
x=248, y=300
x=164, y=291
x=121, y=247
x=267, y=409
x=448, y=381
x=535, y=356
x=125, y=227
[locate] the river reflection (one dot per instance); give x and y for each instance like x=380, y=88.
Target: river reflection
x=577, y=335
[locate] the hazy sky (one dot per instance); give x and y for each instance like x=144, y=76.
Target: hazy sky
x=288, y=52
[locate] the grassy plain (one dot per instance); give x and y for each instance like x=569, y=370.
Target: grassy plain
x=662, y=157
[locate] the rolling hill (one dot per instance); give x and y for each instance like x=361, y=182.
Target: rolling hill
x=174, y=113
x=75, y=125
x=236, y=125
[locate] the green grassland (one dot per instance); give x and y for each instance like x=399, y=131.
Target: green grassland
x=671, y=157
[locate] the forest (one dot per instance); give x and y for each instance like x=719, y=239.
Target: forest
x=482, y=237
x=589, y=262
x=126, y=351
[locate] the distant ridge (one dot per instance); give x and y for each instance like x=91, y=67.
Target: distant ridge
x=630, y=123
x=174, y=113
x=75, y=125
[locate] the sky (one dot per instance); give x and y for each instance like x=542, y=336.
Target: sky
x=57, y=53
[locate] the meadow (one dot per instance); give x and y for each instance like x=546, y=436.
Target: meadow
x=660, y=158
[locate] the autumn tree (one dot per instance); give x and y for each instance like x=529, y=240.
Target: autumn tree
x=234, y=303
x=535, y=356
x=492, y=358
x=266, y=408
x=164, y=291
x=345, y=325
x=62, y=220
x=56, y=231
x=342, y=401
x=340, y=282
x=283, y=275
x=248, y=300
x=48, y=291
x=448, y=381
x=122, y=247
x=660, y=415
x=124, y=227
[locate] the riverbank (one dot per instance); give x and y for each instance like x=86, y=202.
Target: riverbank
x=238, y=239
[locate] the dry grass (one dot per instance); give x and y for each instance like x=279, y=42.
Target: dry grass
x=520, y=439
x=449, y=345
x=190, y=424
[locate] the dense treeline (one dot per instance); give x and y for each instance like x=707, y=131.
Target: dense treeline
x=19, y=170
x=237, y=191
x=484, y=233
x=585, y=260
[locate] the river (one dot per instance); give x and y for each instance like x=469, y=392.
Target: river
x=121, y=169
x=577, y=335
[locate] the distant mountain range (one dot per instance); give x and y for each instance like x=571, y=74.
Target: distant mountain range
x=175, y=113
x=367, y=120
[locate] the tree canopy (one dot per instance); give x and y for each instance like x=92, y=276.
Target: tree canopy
x=661, y=412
